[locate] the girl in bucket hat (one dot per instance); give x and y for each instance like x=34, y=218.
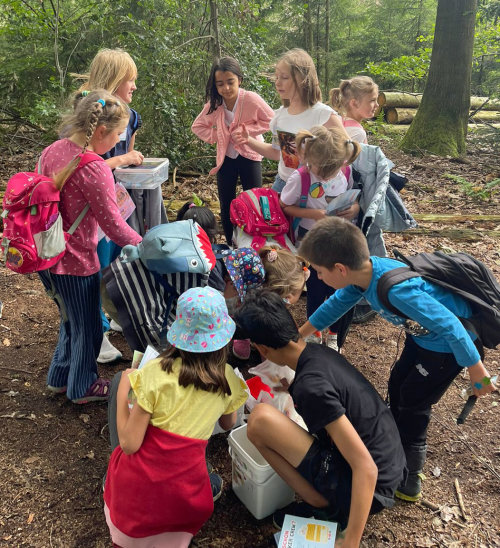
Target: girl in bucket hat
x=157, y=486
x=244, y=271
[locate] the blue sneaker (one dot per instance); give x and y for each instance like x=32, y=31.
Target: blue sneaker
x=216, y=483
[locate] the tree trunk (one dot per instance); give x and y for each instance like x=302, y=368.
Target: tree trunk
x=486, y=116
x=440, y=125
x=308, y=28
x=327, y=45
x=214, y=17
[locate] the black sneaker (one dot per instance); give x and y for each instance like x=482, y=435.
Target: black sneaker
x=216, y=483
x=301, y=510
x=363, y=313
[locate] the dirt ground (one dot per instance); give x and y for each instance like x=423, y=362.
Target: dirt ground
x=54, y=454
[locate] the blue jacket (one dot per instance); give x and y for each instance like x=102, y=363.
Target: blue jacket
x=433, y=307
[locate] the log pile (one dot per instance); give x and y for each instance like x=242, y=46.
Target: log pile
x=400, y=107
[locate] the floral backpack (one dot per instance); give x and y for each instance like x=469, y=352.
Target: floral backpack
x=33, y=235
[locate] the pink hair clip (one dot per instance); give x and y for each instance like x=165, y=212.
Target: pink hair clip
x=272, y=255
x=191, y=205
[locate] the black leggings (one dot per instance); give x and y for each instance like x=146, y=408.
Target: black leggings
x=250, y=173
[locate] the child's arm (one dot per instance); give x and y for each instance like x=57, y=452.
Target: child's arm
x=242, y=137
x=256, y=117
x=364, y=477
x=226, y=422
x=132, y=425
x=205, y=127
x=303, y=212
x=477, y=375
x=336, y=121
x=132, y=158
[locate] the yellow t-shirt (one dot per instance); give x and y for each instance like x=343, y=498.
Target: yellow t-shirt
x=187, y=411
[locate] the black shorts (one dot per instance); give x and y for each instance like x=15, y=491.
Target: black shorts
x=330, y=474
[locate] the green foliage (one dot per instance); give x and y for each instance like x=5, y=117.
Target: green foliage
x=474, y=190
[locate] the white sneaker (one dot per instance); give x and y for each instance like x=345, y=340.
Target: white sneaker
x=115, y=326
x=331, y=341
x=108, y=352
x=313, y=338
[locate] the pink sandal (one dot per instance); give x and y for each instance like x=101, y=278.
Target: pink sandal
x=98, y=391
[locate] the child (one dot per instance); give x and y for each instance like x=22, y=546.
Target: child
x=323, y=152
x=228, y=105
x=357, y=100
x=298, y=87
x=429, y=362
x=243, y=270
x=206, y=219
x=95, y=125
x=350, y=462
x=286, y=273
x=115, y=71
x=157, y=489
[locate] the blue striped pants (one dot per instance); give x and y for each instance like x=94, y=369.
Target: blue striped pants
x=80, y=332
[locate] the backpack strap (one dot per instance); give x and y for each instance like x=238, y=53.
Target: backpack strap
x=85, y=159
x=305, y=180
x=398, y=275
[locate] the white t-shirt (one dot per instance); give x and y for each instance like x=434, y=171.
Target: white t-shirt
x=228, y=119
x=355, y=130
x=316, y=197
x=284, y=127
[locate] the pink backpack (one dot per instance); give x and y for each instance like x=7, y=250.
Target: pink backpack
x=258, y=213
x=33, y=236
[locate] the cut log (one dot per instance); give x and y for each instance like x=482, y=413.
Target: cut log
x=492, y=104
x=400, y=115
x=461, y=234
x=447, y=218
x=403, y=99
x=486, y=116
x=399, y=99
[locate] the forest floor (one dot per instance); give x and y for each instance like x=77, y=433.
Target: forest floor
x=53, y=454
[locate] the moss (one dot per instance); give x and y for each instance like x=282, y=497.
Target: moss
x=440, y=133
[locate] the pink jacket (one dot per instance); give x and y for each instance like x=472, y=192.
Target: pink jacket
x=251, y=110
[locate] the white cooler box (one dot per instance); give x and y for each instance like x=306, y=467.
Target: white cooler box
x=255, y=483
x=150, y=174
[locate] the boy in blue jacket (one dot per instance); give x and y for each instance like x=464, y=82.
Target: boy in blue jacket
x=437, y=345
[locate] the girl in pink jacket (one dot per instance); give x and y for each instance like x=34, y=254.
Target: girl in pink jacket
x=227, y=107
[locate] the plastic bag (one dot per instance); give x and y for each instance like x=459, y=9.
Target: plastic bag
x=278, y=378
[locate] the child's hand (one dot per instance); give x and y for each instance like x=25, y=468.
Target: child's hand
x=133, y=158
x=240, y=135
x=318, y=214
x=350, y=213
x=480, y=380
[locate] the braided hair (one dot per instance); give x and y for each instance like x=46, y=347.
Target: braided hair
x=91, y=110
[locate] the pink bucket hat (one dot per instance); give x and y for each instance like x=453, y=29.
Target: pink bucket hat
x=245, y=269
x=202, y=323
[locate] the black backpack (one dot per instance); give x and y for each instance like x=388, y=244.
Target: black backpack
x=460, y=273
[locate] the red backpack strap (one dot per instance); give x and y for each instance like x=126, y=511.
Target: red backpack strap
x=305, y=179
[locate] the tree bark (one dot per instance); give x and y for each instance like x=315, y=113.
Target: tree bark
x=308, y=29
x=440, y=125
x=399, y=99
x=214, y=17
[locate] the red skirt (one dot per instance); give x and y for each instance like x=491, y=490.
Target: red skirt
x=163, y=487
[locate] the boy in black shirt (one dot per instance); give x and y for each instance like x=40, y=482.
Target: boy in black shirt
x=351, y=461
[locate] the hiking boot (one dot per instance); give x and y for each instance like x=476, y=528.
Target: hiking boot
x=108, y=352
x=316, y=337
x=97, y=391
x=363, y=313
x=301, y=510
x=242, y=348
x=411, y=490
x=331, y=341
x=216, y=483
